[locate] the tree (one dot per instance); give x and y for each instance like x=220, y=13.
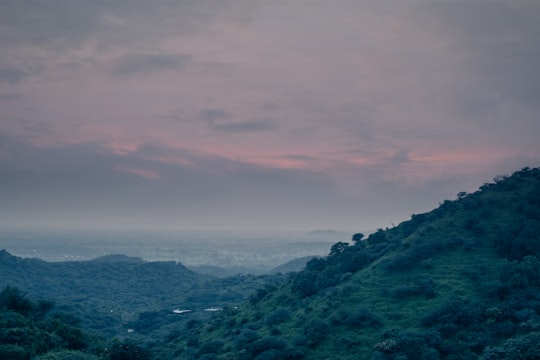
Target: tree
x=305, y=283
x=356, y=238
x=11, y=298
x=316, y=264
x=66, y=355
x=338, y=248
x=127, y=351
x=377, y=237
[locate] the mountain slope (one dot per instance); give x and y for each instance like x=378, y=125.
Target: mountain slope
x=459, y=282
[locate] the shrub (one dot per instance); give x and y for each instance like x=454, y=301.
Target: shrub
x=421, y=287
x=305, y=284
x=246, y=337
x=521, y=274
x=420, y=250
x=452, y=315
x=315, y=331
x=278, y=316
x=127, y=351
x=412, y=344
x=293, y=354
x=362, y=317
x=14, y=352
x=11, y=298
x=316, y=264
x=357, y=238
x=338, y=248
x=266, y=344
x=260, y=294
x=66, y=355
x=72, y=337
x=522, y=347
x=377, y=237
x=352, y=261
x=272, y=354
x=212, y=347
x=523, y=241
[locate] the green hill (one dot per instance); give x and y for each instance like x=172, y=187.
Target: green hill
x=114, y=293
x=459, y=282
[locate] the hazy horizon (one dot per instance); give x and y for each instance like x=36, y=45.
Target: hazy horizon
x=234, y=251
x=243, y=115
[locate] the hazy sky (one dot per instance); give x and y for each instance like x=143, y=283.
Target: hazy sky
x=298, y=114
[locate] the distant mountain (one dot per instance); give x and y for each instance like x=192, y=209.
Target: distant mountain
x=459, y=282
x=293, y=265
x=118, y=258
x=223, y=272
x=329, y=234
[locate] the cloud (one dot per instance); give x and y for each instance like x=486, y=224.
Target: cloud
x=12, y=75
x=244, y=126
x=144, y=63
x=65, y=25
x=54, y=24
x=217, y=120
x=213, y=115
x=493, y=52
x=10, y=97
x=35, y=127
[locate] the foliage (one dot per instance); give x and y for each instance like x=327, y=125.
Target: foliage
x=115, y=293
x=372, y=298
x=29, y=330
x=67, y=355
x=12, y=299
x=421, y=286
x=520, y=347
x=126, y=350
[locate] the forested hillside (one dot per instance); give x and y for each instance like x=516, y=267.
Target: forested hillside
x=459, y=282
x=114, y=293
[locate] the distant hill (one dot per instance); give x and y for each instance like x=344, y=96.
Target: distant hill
x=459, y=282
x=223, y=272
x=329, y=234
x=293, y=265
x=118, y=258
x=109, y=293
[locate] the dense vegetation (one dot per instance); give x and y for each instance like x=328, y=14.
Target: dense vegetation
x=110, y=293
x=27, y=330
x=459, y=282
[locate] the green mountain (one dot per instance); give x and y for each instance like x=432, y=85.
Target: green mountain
x=459, y=282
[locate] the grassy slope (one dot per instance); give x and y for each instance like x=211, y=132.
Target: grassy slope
x=435, y=258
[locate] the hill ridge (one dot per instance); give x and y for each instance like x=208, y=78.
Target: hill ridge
x=461, y=281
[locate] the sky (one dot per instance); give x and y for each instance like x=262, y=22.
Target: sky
x=274, y=115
